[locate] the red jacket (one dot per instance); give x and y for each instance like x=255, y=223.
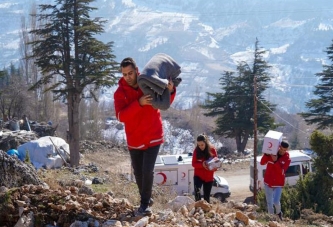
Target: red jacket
x=199, y=170
x=275, y=171
x=143, y=124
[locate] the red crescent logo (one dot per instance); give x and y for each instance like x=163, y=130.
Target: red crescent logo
x=164, y=178
x=270, y=145
x=184, y=174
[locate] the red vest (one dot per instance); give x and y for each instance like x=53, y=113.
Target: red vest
x=275, y=171
x=199, y=170
x=143, y=124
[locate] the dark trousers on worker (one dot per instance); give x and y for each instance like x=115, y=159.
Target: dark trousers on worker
x=207, y=188
x=143, y=163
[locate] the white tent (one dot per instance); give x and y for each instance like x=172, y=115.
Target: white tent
x=43, y=152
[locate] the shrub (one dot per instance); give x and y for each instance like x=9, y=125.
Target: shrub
x=289, y=203
x=27, y=157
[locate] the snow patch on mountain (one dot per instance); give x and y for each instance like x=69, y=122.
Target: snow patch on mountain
x=206, y=38
x=280, y=50
x=6, y=5
x=288, y=23
x=325, y=27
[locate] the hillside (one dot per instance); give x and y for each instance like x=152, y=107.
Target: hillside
x=207, y=38
x=113, y=200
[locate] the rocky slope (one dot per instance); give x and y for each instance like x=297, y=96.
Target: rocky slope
x=70, y=199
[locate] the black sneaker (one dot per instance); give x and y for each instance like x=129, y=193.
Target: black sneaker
x=144, y=211
x=280, y=216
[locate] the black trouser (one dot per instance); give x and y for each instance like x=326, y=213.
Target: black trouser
x=207, y=188
x=143, y=163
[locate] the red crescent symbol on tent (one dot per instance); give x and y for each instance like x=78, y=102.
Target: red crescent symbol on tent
x=270, y=145
x=164, y=177
x=184, y=174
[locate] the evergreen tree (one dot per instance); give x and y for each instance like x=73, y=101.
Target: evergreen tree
x=2, y=74
x=67, y=49
x=318, y=186
x=234, y=107
x=320, y=109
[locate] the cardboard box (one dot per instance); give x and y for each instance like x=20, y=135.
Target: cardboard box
x=214, y=163
x=272, y=142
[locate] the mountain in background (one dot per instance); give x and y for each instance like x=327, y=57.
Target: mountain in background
x=207, y=38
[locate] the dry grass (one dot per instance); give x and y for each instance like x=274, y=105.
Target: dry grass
x=52, y=177
x=114, y=169
x=117, y=166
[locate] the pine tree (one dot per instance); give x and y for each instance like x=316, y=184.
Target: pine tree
x=320, y=183
x=67, y=49
x=234, y=107
x=320, y=109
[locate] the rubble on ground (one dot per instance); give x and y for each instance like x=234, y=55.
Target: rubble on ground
x=67, y=207
x=37, y=205
x=15, y=173
x=74, y=204
x=23, y=135
x=88, y=146
x=16, y=138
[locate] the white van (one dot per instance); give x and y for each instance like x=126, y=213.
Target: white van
x=300, y=165
x=177, y=171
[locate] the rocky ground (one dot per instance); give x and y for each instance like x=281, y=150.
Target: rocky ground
x=99, y=193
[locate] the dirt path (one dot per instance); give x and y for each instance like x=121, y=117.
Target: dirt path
x=238, y=177
x=237, y=174
x=239, y=181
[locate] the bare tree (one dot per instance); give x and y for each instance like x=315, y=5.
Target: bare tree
x=41, y=104
x=13, y=93
x=91, y=121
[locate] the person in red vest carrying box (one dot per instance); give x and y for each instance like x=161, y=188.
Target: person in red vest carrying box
x=274, y=178
x=203, y=175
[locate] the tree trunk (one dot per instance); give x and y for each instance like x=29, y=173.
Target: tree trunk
x=74, y=127
x=241, y=141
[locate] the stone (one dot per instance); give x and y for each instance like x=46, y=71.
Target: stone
x=20, y=203
x=242, y=217
x=203, y=205
x=3, y=189
x=15, y=173
x=112, y=223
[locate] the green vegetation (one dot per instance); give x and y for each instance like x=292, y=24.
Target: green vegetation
x=315, y=190
x=64, y=47
x=234, y=106
x=27, y=157
x=6, y=198
x=67, y=48
x=320, y=184
x=320, y=108
x=100, y=188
